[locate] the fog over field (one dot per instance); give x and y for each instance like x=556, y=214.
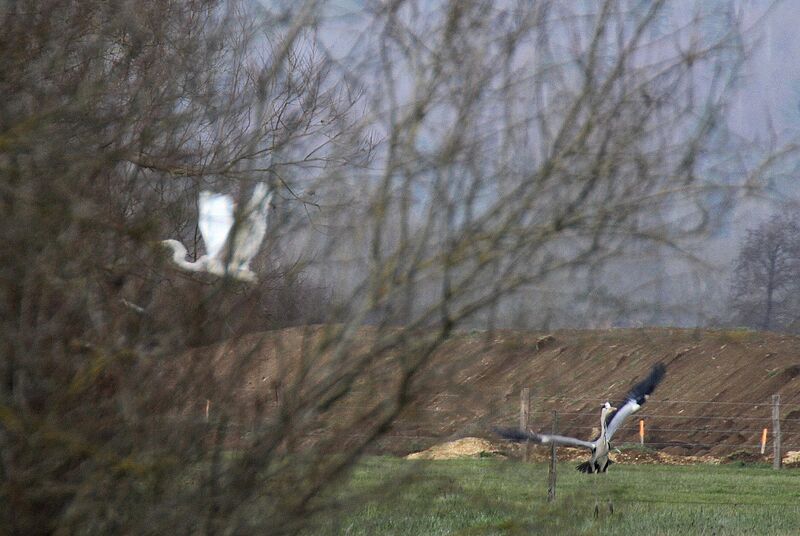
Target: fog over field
x=243, y=241
x=648, y=284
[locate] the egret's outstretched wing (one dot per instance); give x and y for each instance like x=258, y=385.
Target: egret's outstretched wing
x=216, y=220
x=518, y=435
x=637, y=396
x=254, y=226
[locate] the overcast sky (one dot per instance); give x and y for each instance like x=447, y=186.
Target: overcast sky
x=771, y=82
x=765, y=102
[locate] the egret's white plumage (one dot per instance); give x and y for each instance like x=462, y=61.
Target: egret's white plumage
x=215, y=220
x=229, y=247
x=601, y=446
x=254, y=223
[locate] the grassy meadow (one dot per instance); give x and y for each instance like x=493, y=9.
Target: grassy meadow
x=490, y=496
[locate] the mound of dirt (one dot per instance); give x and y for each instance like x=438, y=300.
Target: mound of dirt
x=792, y=459
x=715, y=399
x=662, y=458
x=467, y=447
x=474, y=447
x=744, y=456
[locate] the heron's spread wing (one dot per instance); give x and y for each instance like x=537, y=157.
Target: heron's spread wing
x=519, y=435
x=216, y=220
x=635, y=399
x=623, y=413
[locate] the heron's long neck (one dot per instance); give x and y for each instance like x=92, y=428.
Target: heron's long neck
x=603, y=423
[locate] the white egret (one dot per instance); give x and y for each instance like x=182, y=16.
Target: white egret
x=226, y=254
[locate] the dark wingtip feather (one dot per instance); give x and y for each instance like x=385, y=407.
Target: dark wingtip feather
x=514, y=434
x=648, y=385
x=585, y=467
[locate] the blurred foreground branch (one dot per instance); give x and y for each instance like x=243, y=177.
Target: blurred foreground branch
x=430, y=161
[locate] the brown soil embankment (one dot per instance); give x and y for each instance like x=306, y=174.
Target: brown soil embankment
x=714, y=400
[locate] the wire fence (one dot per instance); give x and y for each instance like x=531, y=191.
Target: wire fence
x=765, y=427
x=683, y=426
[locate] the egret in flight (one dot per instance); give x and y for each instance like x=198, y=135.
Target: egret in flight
x=611, y=419
x=229, y=246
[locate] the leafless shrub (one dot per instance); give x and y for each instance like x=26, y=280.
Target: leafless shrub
x=518, y=144
x=765, y=282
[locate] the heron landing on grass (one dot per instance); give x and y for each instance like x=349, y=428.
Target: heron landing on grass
x=611, y=419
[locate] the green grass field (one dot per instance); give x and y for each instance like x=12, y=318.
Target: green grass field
x=488, y=496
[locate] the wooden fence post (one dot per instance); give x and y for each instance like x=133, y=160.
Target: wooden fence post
x=525, y=416
x=776, y=432
x=551, y=476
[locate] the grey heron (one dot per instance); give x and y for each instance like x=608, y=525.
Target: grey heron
x=611, y=419
x=226, y=254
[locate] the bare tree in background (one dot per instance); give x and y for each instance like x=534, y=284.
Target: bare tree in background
x=766, y=280
x=519, y=144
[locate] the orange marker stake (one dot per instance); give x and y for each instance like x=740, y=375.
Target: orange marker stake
x=641, y=431
x=763, y=440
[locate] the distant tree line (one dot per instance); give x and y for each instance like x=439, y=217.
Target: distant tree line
x=765, y=289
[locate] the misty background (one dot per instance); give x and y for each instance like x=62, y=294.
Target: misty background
x=436, y=167
x=685, y=284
